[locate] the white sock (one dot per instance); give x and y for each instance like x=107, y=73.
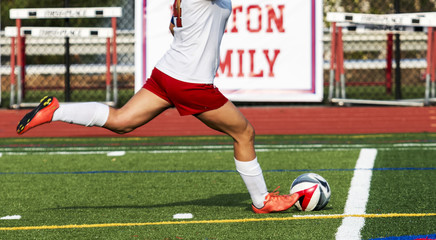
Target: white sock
x=252, y=175
x=87, y=114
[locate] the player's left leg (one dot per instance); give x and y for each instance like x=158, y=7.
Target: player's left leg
x=230, y=120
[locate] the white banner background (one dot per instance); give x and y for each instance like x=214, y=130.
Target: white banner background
x=272, y=50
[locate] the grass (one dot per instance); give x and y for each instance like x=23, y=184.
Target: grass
x=402, y=190
x=63, y=182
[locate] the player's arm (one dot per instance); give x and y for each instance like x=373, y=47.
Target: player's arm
x=176, y=13
x=172, y=28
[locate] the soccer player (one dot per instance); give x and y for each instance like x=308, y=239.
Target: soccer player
x=183, y=78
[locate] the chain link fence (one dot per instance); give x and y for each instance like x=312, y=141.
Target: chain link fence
x=365, y=54
x=45, y=57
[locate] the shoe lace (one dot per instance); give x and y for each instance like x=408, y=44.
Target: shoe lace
x=273, y=195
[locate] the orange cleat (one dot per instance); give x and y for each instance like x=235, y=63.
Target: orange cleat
x=43, y=113
x=277, y=203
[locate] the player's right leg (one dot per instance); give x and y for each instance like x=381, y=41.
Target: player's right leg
x=230, y=120
x=140, y=109
x=43, y=113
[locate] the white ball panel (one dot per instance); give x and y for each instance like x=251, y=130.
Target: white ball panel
x=321, y=195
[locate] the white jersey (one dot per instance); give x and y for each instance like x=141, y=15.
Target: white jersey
x=194, y=53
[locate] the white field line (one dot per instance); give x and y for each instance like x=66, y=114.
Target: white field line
x=219, y=147
x=190, y=151
x=116, y=153
x=357, y=196
x=12, y=217
x=208, y=148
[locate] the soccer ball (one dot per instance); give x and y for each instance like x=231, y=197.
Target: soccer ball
x=314, y=189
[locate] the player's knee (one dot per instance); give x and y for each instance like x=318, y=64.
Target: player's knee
x=247, y=135
x=250, y=132
x=123, y=130
x=119, y=124
x=123, y=127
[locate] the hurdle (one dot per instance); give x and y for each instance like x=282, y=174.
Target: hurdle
x=18, y=34
x=385, y=23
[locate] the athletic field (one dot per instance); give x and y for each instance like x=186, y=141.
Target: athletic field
x=383, y=186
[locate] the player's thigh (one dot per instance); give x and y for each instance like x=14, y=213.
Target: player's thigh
x=140, y=109
x=228, y=119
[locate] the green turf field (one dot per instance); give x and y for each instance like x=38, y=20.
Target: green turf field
x=130, y=188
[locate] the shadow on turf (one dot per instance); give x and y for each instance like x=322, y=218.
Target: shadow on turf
x=226, y=200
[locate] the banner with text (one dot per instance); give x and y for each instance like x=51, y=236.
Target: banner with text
x=271, y=52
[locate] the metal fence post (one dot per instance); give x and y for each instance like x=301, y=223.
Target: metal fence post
x=114, y=60
x=398, y=94
x=67, y=59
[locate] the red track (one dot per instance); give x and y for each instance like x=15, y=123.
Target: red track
x=266, y=120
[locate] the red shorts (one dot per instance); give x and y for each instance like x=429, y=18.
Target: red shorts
x=188, y=98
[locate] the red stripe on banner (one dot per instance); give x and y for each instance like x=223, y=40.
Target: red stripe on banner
x=144, y=42
x=313, y=90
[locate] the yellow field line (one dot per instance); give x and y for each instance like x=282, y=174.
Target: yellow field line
x=244, y=220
